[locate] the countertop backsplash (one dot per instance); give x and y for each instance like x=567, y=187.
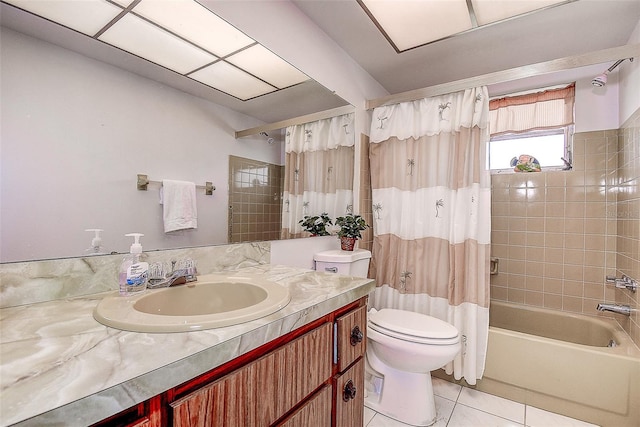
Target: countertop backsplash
x=39, y=281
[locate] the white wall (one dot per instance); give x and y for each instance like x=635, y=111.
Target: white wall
x=596, y=108
x=630, y=82
x=75, y=132
x=299, y=252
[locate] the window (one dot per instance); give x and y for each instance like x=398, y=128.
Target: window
x=549, y=147
x=539, y=124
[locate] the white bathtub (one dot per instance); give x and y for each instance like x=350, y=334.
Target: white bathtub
x=562, y=363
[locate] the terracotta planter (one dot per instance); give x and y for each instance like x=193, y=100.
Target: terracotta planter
x=347, y=243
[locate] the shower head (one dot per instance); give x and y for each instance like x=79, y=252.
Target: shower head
x=601, y=80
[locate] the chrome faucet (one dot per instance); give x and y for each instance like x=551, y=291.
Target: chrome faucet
x=185, y=273
x=615, y=308
x=625, y=282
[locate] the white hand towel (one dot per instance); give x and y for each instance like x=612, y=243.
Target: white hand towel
x=178, y=200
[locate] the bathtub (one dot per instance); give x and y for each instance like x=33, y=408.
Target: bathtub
x=579, y=366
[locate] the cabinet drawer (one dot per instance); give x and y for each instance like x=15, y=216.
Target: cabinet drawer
x=316, y=412
x=350, y=396
x=352, y=337
x=262, y=391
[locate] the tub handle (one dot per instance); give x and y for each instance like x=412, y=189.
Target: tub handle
x=625, y=282
x=493, y=269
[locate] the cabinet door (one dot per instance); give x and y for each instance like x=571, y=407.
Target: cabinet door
x=316, y=412
x=352, y=337
x=261, y=392
x=350, y=396
x=201, y=408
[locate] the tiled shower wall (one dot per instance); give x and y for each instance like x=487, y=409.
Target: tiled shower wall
x=558, y=234
x=255, y=191
x=628, y=214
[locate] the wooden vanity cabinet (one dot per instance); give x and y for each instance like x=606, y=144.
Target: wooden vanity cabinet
x=312, y=376
x=349, y=379
x=316, y=412
x=263, y=391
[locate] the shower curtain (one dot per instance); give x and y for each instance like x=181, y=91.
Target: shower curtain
x=432, y=220
x=318, y=171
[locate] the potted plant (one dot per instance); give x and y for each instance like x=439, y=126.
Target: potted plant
x=350, y=228
x=316, y=225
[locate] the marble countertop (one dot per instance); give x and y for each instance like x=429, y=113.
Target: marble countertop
x=58, y=366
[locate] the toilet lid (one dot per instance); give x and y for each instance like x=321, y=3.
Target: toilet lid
x=413, y=324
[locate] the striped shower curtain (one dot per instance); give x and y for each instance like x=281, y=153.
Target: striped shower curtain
x=432, y=219
x=318, y=171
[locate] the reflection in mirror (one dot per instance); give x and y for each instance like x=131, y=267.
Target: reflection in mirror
x=318, y=176
x=255, y=199
x=76, y=132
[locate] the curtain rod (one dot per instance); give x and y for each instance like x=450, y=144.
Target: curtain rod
x=511, y=74
x=326, y=114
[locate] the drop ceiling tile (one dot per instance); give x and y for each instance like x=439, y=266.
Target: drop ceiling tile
x=137, y=36
x=410, y=23
x=263, y=63
x=231, y=80
x=195, y=23
x=87, y=16
x=488, y=11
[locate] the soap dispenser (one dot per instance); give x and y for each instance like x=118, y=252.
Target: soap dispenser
x=134, y=270
x=96, y=243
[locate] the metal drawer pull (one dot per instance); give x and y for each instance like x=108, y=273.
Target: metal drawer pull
x=331, y=269
x=356, y=336
x=349, y=391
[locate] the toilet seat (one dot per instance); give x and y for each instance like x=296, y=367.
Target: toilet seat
x=413, y=327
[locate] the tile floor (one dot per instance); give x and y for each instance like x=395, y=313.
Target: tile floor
x=459, y=406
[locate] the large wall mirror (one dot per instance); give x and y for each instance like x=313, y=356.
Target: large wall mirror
x=81, y=119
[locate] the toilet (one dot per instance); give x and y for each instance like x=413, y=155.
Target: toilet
x=403, y=347
x=351, y=263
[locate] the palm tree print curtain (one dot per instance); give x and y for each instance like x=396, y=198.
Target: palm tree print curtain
x=432, y=219
x=318, y=171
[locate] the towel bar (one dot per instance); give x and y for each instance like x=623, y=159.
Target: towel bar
x=144, y=181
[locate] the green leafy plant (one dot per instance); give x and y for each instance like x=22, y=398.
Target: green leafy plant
x=316, y=225
x=351, y=226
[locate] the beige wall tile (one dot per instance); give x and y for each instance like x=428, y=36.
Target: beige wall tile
x=560, y=233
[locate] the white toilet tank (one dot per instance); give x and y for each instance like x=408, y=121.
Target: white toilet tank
x=350, y=263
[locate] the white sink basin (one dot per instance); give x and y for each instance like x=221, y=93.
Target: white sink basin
x=214, y=301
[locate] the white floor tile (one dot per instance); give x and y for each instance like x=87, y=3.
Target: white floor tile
x=444, y=409
x=478, y=409
x=495, y=405
x=464, y=416
x=381, y=421
x=540, y=418
x=368, y=415
x=446, y=389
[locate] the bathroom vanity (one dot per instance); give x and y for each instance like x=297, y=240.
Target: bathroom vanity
x=302, y=365
x=292, y=381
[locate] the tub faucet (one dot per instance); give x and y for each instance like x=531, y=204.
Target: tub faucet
x=615, y=308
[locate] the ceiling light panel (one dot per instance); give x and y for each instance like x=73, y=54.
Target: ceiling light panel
x=263, y=63
x=229, y=79
x=195, y=23
x=488, y=11
x=137, y=36
x=410, y=23
x=87, y=16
